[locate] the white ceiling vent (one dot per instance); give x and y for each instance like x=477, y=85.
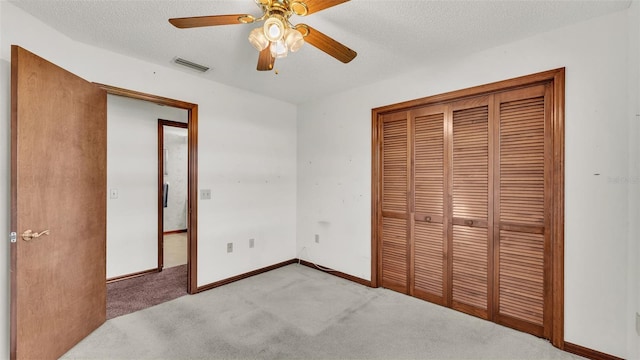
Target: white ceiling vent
x=191, y=65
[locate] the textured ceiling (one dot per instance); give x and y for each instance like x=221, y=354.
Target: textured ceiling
x=389, y=36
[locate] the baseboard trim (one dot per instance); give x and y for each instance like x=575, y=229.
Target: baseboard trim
x=244, y=276
x=279, y=265
x=131, y=276
x=588, y=353
x=174, y=232
x=336, y=273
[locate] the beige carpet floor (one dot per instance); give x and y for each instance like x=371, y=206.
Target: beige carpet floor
x=296, y=312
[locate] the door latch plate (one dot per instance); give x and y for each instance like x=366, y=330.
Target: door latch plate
x=13, y=237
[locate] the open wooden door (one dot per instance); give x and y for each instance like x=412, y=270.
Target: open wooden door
x=58, y=207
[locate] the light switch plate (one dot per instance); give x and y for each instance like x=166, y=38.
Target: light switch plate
x=113, y=193
x=229, y=247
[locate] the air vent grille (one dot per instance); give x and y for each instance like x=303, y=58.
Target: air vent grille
x=191, y=65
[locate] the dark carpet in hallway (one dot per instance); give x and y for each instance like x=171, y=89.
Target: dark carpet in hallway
x=127, y=296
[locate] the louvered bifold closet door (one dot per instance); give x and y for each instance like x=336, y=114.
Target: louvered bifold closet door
x=470, y=207
x=429, y=245
x=521, y=216
x=395, y=213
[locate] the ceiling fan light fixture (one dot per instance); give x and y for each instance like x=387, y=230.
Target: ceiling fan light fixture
x=279, y=49
x=299, y=8
x=257, y=39
x=274, y=28
x=293, y=39
x=277, y=36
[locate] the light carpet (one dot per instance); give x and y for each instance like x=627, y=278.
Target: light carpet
x=297, y=312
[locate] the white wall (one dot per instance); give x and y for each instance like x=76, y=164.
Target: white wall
x=334, y=166
x=633, y=306
x=250, y=167
x=132, y=171
x=253, y=181
x=176, y=175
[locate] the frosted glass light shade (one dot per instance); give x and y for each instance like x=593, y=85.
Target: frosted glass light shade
x=274, y=29
x=279, y=49
x=293, y=39
x=258, y=40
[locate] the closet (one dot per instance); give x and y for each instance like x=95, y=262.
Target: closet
x=466, y=186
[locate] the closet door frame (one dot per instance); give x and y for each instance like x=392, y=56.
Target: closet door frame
x=555, y=258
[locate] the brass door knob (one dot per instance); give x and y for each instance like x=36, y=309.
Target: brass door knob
x=29, y=234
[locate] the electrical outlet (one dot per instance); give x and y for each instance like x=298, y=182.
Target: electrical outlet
x=229, y=247
x=317, y=238
x=113, y=193
x=252, y=243
x=205, y=194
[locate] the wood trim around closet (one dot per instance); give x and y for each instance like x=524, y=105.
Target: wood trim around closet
x=192, y=205
x=557, y=210
x=509, y=84
x=556, y=82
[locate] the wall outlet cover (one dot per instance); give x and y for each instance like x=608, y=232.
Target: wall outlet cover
x=317, y=238
x=205, y=194
x=229, y=247
x=252, y=243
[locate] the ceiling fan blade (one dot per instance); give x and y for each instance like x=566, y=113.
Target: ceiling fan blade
x=266, y=60
x=306, y=7
x=326, y=44
x=213, y=20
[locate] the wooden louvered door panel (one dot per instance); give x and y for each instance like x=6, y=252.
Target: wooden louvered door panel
x=429, y=245
x=521, y=213
x=395, y=215
x=470, y=190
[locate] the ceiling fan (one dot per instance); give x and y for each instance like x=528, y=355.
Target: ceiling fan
x=278, y=35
